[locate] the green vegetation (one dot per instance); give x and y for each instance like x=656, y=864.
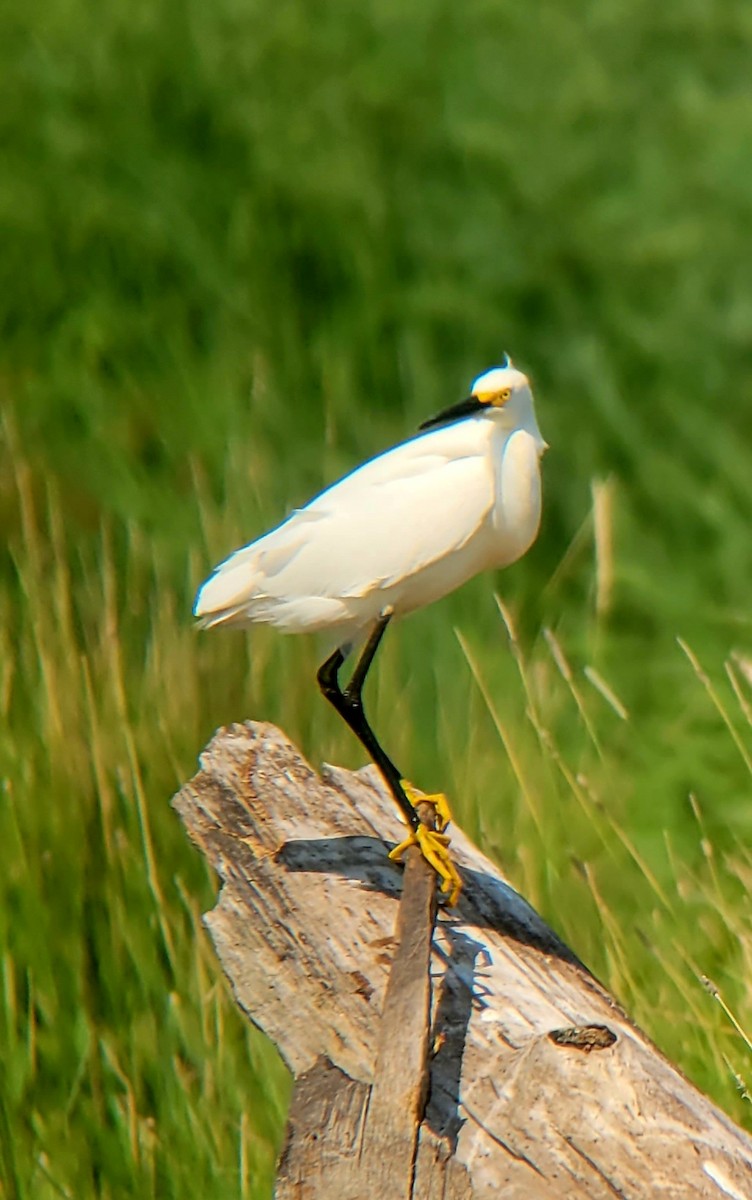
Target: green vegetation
x=245, y=245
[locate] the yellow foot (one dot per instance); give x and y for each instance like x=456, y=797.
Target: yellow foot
x=437, y=800
x=433, y=843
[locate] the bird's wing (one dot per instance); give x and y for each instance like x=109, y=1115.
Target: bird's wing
x=368, y=533
x=385, y=521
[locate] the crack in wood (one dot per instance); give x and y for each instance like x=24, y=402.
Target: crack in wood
x=614, y=1190
x=499, y=1141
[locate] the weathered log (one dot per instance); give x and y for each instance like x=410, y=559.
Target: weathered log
x=539, y=1085
x=379, y=1124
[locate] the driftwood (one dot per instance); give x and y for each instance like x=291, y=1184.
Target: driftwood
x=526, y=1081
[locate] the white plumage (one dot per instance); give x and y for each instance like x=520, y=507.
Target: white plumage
x=401, y=531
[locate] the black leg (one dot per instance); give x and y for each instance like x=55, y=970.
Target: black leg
x=349, y=705
x=363, y=666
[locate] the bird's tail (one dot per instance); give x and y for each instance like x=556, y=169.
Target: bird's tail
x=227, y=595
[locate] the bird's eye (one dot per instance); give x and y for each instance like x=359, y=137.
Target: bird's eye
x=503, y=395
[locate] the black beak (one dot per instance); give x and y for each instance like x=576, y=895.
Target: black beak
x=465, y=408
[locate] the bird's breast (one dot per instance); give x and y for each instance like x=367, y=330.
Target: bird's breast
x=517, y=507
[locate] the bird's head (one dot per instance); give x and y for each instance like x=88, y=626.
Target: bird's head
x=503, y=394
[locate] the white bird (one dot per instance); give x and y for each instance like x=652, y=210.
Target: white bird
x=397, y=533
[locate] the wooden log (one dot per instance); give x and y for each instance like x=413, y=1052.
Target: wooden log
x=539, y=1085
x=397, y=1097
x=377, y=1124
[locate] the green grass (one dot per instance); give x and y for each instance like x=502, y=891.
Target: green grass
x=245, y=246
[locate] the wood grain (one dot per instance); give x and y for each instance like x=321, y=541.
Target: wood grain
x=400, y=1080
x=539, y=1084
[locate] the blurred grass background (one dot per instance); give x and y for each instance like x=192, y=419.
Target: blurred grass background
x=246, y=245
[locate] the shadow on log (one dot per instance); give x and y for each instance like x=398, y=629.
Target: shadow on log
x=482, y=1061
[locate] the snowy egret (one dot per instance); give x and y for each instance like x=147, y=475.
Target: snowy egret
x=397, y=533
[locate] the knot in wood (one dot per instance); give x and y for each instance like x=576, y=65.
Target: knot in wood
x=584, y=1037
